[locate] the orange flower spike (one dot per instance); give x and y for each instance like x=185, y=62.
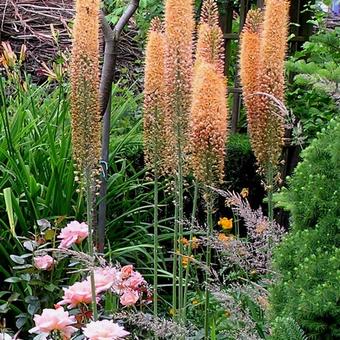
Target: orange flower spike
x=210, y=37
x=179, y=28
x=154, y=97
x=249, y=66
x=208, y=125
x=271, y=74
x=86, y=125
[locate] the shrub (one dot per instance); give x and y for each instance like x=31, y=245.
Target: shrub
x=308, y=259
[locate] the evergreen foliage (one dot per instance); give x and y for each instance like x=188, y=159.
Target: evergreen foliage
x=287, y=328
x=308, y=259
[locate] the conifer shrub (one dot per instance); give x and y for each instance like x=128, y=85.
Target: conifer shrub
x=307, y=261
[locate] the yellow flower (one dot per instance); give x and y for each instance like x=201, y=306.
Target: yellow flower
x=245, y=192
x=195, y=302
x=195, y=242
x=186, y=260
x=226, y=223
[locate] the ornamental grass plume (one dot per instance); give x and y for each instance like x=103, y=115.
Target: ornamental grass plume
x=154, y=98
x=249, y=67
x=210, y=37
x=85, y=106
x=179, y=27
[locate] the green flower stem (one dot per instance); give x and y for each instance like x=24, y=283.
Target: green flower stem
x=155, y=250
x=208, y=260
x=89, y=205
x=180, y=234
x=174, y=259
x=270, y=188
x=187, y=271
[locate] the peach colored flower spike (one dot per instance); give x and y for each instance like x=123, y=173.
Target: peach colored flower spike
x=250, y=64
x=85, y=107
x=208, y=116
x=210, y=38
x=208, y=125
x=155, y=132
x=179, y=28
x=272, y=81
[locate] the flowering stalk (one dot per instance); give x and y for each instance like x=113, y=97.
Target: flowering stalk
x=208, y=118
x=178, y=14
x=86, y=127
x=154, y=123
x=263, y=48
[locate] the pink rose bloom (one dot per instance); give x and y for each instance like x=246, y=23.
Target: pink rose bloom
x=45, y=262
x=54, y=320
x=126, y=271
x=74, y=232
x=78, y=293
x=135, y=280
x=104, y=330
x=129, y=297
x=104, y=278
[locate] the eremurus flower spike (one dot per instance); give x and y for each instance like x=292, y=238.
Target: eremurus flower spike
x=86, y=126
x=249, y=67
x=154, y=97
x=208, y=125
x=210, y=37
x=271, y=76
x=179, y=27
x=208, y=117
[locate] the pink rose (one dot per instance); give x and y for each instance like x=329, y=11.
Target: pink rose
x=129, y=297
x=126, y=271
x=74, y=232
x=104, y=278
x=78, y=293
x=104, y=330
x=54, y=320
x=45, y=262
x=135, y=280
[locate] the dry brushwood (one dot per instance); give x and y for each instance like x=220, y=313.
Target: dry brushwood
x=44, y=26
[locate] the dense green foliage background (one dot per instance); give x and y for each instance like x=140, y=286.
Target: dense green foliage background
x=308, y=259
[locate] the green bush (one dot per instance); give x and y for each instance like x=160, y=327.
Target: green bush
x=312, y=95
x=308, y=259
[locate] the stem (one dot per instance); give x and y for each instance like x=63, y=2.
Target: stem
x=270, y=187
x=155, y=245
x=193, y=216
x=89, y=205
x=174, y=261
x=209, y=232
x=180, y=232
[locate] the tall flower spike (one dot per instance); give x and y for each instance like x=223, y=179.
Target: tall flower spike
x=249, y=67
x=86, y=126
x=154, y=98
x=208, y=124
x=271, y=77
x=179, y=27
x=210, y=38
